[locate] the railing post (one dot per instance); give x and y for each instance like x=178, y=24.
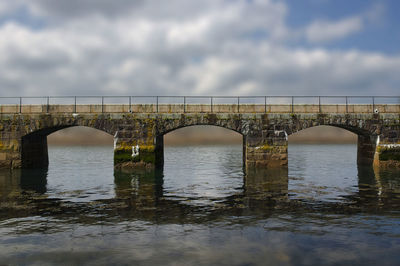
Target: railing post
x=184, y=104
x=130, y=104
x=211, y=104
x=238, y=103
x=48, y=103
x=347, y=107
x=157, y=104
x=373, y=104
x=74, y=104
x=102, y=104
x=319, y=103
x=20, y=104
x=292, y=104
x=265, y=104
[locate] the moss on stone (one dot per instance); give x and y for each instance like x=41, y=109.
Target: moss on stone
x=265, y=147
x=387, y=154
x=147, y=154
x=147, y=157
x=121, y=156
x=147, y=148
x=122, y=146
x=124, y=154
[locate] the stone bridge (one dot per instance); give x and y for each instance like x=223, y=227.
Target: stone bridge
x=138, y=129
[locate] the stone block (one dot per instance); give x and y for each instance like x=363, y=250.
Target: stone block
x=6, y=164
x=16, y=164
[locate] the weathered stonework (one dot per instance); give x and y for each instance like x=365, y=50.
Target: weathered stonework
x=139, y=136
x=388, y=144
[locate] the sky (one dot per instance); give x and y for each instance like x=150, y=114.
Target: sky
x=208, y=47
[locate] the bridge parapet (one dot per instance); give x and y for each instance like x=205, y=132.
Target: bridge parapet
x=201, y=108
x=195, y=104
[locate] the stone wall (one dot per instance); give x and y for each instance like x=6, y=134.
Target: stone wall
x=388, y=145
x=139, y=136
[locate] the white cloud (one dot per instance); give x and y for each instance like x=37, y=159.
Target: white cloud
x=7, y=7
x=324, y=31
x=173, y=48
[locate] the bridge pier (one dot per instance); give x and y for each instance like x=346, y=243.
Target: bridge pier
x=388, y=147
x=10, y=151
x=266, y=149
x=34, y=153
x=137, y=146
x=366, y=148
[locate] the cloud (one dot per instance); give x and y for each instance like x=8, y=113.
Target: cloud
x=325, y=31
x=376, y=13
x=75, y=9
x=172, y=48
x=7, y=7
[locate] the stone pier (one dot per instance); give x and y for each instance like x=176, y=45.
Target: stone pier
x=366, y=148
x=388, y=147
x=139, y=136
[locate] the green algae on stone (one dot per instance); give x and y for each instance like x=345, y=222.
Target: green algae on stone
x=387, y=154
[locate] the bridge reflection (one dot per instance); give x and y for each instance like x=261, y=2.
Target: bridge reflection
x=141, y=194
x=13, y=183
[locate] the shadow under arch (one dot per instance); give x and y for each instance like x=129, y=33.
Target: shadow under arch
x=34, y=147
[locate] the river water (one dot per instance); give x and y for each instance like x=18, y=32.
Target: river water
x=201, y=210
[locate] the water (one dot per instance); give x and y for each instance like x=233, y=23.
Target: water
x=201, y=210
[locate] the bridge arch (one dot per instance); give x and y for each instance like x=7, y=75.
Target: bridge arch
x=199, y=125
x=165, y=128
x=358, y=129
x=44, y=125
x=323, y=134
x=34, y=146
x=366, y=136
x=221, y=127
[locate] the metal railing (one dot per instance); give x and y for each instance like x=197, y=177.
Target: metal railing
x=237, y=103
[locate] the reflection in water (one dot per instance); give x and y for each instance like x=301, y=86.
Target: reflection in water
x=142, y=188
x=264, y=183
x=22, y=180
x=143, y=191
x=368, y=188
x=154, y=217
x=34, y=180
